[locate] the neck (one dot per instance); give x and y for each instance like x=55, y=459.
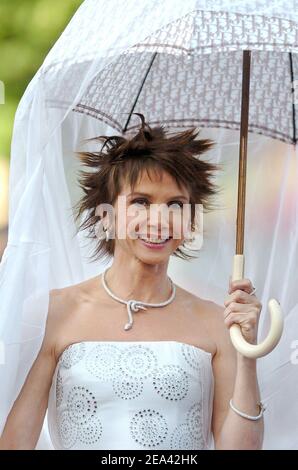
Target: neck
x=133, y=279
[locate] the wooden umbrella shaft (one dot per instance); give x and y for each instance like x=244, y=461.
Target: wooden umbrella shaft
x=276, y=327
x=243, y=153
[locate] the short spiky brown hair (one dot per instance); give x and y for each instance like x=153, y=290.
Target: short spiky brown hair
x=126, y=159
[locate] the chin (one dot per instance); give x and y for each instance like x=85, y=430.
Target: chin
x=152, y=261
x=148, y=256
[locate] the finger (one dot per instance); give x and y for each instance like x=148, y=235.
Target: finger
x=240, y=296
x=247, y=321
x=243, y=284
x=235, y=307
x=232, y=318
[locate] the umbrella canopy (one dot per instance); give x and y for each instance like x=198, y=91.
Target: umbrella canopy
x=189, y=72
x=110, y=41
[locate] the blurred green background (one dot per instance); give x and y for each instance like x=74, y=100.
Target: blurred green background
x=28, y=29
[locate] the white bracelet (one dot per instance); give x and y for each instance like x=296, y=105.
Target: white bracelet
x=244, y=415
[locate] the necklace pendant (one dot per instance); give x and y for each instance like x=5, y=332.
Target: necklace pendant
x=135, y=305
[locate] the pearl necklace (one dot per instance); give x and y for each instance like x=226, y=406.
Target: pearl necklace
x=135, y=305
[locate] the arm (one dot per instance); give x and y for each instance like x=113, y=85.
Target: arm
x=235, y=375
x=25, y=420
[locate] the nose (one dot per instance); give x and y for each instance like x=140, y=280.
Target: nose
x=158, y=221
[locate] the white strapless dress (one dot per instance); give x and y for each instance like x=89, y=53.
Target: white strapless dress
x=132, y=395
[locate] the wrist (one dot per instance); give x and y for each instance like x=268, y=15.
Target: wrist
x=248, y=361
x=244, y=361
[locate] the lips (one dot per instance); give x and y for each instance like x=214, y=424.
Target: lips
x=157, y=244
x=156, y=241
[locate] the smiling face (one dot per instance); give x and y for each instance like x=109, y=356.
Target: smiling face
x=123, y=165
x=150, y=217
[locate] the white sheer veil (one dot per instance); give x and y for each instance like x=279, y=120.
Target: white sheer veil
x=44, y=252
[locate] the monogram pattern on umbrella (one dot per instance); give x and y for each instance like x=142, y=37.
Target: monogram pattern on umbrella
x=195, y=79
x=262, y=19
x=214, y=31
x=196, y=91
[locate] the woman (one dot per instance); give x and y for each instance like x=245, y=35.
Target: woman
x=130, y=360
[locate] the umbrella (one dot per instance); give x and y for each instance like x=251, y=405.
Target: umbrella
x=180, y=65
x=192, y=56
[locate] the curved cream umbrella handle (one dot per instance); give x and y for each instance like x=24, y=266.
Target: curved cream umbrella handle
x=276, y=327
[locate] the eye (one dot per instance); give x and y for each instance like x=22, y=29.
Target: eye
x=176, y=204
x=140, y=202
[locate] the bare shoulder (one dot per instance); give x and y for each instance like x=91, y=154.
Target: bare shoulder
x=65, y=300
x=58, y=310
x=64, y=307
x=60, y=303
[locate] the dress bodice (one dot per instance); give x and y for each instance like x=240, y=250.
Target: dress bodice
x=132, y=395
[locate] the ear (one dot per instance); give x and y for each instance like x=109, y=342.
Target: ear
x=103, y=214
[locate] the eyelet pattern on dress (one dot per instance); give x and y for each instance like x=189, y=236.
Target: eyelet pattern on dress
x=67, y=430
x=127, y=388
x=189, y=435
x=73, y=354
x=59, y=389
x=148, y=428
x=181, y=439
x=102, y=361
x=132, y=396
x=81, y=405
x=137, y=361
x=90, y=433
x=192, y=355
x=194, y=421
x=72, y=434
x=171, y=382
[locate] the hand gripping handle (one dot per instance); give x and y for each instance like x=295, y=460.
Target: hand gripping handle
x=265, y=347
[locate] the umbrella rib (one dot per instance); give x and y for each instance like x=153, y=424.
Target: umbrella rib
x=139, y=92
x=293, y=103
